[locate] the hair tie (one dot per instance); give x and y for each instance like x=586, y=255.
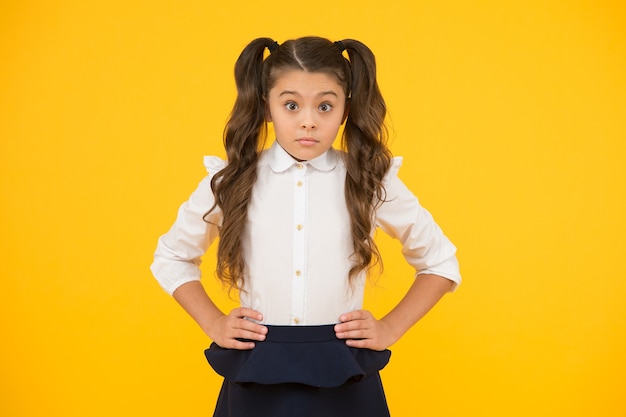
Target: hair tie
x=340, y=45
x=273, y=46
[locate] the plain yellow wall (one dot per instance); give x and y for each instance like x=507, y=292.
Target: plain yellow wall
x=511, y=116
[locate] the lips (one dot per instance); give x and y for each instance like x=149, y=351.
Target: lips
x=306, y=141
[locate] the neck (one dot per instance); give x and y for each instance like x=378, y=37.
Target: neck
x=299, y=160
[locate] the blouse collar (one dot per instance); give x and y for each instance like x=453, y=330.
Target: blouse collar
x=280, y=160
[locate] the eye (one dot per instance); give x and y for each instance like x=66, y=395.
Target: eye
x=325, y=107
x=291, y=106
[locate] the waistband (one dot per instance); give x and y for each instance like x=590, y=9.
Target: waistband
x=300, y=334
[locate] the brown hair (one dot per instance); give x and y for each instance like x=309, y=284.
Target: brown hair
x=364, y=138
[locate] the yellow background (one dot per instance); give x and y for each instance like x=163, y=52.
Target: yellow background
x=511, y=116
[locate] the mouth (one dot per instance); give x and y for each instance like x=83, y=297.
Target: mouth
x=306, y=141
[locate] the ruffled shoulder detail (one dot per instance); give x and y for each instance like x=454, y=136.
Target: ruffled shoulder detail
x=213, y=164
x=396, y=163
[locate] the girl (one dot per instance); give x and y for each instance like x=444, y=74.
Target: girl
x=295, y=223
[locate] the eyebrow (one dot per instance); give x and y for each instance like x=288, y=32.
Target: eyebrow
x=295, y=93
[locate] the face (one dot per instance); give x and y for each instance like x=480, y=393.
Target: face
x=307, y=110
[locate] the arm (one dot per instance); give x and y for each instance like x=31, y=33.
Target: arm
x=426, y=248
x=225, y=330
x=176, y=266
x=362, y=330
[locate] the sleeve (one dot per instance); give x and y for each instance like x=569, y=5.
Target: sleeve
x=424, y=245
x=178, y=254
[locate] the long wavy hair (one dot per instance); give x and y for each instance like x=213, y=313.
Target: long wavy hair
x=366, y=155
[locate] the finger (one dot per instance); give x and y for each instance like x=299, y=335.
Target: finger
x=242, y=339
x=238, y=328
x=366, y=344
x=251, y=326
x=354, y=334
x=349, y=326
x=355, y=315
x=354, y=320
x=257, y=333
x=240, y=345
x=355, y=329
x=242, y=312
x=360, y=343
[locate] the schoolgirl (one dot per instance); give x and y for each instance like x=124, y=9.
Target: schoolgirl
x=295, y=223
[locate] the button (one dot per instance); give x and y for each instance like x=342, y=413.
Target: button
x=299, y=184
x=296, y=320
x=299, y=166
x=299, y=227
x=298, y=273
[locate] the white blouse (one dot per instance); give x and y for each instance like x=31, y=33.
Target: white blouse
x=297, y=241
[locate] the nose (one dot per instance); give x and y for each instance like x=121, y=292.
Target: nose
x=308, y=120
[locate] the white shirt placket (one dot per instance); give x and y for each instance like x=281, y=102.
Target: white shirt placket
x=299, y=244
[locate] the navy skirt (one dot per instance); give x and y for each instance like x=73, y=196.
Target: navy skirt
x=300, y=371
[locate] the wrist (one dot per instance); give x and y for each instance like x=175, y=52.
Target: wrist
x=392, y=328
x=209, y=324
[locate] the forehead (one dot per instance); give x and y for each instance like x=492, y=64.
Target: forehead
x=305, y=83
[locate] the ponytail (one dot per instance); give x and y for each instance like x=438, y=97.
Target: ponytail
x=244, y=137
x=247, y=120
x=367, y=157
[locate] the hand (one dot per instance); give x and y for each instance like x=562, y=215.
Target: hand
x=361, y=330
x=225, y=330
